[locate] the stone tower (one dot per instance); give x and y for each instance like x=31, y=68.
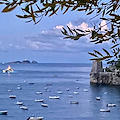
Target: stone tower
x=97, y=67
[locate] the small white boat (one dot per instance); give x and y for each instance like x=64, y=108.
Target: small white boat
x=44, y=105
x=45, y=88
x=48, y=90
x=35, y=118
x=77, y=87
x=3, y=112
x=105, y=93
x=19, y=88
x=104, y=110
x=24, y=107
x=67, y=89
x=9, y=90
x=54, y=97
x=39, y=100
x=89, y=100
x=25, y=81
x=19, y=103
x=74, y=102
x=111, y=105
x=76, y=92
x=60, y=92
x=85, y=90
x=12, y=96
x=97, y=98
x=70, y=96
x=38, y=92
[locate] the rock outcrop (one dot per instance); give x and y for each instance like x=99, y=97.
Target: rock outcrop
x=24, y=61
x=99, y=76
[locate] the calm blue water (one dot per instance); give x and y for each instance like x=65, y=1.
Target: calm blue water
x=61, y=76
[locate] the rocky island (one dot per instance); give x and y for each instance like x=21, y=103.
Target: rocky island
x=106, y=76
x=24, y=61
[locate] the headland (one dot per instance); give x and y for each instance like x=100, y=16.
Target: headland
x=106, y=76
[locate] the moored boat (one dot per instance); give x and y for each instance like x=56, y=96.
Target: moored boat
x=104, y=110
x=44, y=105
x=31, y=83
x=24, y=107
x=76, y=92
x=85, y=90
x=39, y=100
x=35, y=118
x=54, y=97
x=97, y=98
x=19, y=103
x=3, y=112
x=111, y=105
x=48, y=84
x=60, y=92
x=8, y=70
x=70, y=96
x=12, y=96
x=9, y=90
x=77, y=87
x=67, y=89
x=38, y=92
x=74, y=102
x=19, y=88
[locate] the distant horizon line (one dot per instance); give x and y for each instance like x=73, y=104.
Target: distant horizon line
x=48, y=63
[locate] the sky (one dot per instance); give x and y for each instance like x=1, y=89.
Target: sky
x=44, y=41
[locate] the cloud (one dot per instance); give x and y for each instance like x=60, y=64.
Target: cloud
x=10, y=44
x=52, y=40
x=58, y=27
x=83, y=26
x=37, y=45
x=103, y=25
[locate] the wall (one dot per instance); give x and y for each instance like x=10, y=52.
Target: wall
x=97, y=76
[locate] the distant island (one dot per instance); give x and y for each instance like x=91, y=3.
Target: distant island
x=24, y=61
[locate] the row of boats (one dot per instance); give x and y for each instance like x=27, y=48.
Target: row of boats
x=52, y=97
x=23, y=107
x=12, y=96
x=46, y=105
x=36, y=100
x=57, y=97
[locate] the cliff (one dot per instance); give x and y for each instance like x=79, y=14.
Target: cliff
x=98, y=75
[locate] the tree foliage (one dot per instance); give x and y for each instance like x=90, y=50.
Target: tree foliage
x=109, y=10
x=115, y=63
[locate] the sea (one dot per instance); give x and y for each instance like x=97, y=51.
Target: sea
x=72, y=80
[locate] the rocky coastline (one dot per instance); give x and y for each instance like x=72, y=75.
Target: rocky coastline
x=104, y=76
x=24, y=61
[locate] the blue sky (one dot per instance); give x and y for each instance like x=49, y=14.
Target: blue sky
x=44, y=42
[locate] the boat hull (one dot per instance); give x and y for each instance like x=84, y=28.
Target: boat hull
x=35, y=118
x=3, y=112
x=111, y=105
x=104, y=110
x=54, y=97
